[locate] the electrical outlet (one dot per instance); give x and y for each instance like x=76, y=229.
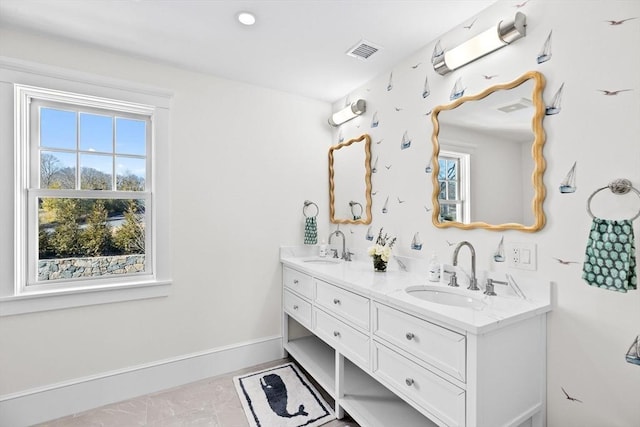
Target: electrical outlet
x=515, y=255
x=521, y=255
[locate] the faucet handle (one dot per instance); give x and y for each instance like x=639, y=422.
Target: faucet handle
x=347, y=255
x=490, y=289
x=335, y=253
x=453, y=280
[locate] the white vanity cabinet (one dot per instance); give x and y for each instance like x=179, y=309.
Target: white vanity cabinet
x=387, y=364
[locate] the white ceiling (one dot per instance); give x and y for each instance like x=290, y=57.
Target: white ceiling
x=296, y=46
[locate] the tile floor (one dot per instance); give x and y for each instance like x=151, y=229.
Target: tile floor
x=211, y=402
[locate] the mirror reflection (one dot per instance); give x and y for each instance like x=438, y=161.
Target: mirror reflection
x=350, y=181
x=488, y=164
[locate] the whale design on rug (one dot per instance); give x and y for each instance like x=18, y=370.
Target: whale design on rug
x=276, y=394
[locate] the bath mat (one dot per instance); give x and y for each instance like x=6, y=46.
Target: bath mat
x=281, y=397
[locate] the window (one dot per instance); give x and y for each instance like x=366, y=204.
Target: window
x=454, y=187
x=91, y=216
x=88, y=190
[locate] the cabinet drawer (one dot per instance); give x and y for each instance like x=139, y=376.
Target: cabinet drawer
x=352, y=307
x=433, y=344
x=298, y=282
x=298, y=308
x=438, y=397
x=342, y=337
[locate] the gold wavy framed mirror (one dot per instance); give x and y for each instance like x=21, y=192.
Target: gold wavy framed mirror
x=349, y=184
x=487, y=163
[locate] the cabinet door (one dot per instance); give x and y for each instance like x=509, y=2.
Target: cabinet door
x=298, y=308
x=348, y=305
x=347, y=340
x=433, y=344
x=298, y=282
x=441, y=400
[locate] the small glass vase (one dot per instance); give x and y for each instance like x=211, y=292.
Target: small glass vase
x=379, y=264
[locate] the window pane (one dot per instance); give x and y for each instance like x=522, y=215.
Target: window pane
x=57, y=170
x=58, y=128
x=130, y=173
x=131, y=136
x=96, y=172
x=452, y=170
x=80, y=238
x=443, y=191
x=452, y=193
x=443, y=167
x=448, y=212
x=96, y=133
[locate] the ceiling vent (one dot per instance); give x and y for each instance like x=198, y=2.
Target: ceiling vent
x=363, y=50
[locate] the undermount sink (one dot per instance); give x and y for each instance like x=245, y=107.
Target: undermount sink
x=442, y=296
x=318, y=260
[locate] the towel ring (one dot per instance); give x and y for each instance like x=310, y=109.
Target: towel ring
x=308, y=203
x=619, y=186
x=352, y=204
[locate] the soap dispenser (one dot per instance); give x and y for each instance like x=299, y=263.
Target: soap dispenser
x=323, y=249
x=434, y=269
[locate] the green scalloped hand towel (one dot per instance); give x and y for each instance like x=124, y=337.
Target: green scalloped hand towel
x=310, y=231
x=610, y=258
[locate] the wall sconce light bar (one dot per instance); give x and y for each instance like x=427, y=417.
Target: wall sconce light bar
x=504, y=33
x=349, y=112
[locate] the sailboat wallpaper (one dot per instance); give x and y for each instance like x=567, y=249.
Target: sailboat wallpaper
x=556, y=101
x=633, y=354
x=458, y=90
x=545, y=53
x=568, y=184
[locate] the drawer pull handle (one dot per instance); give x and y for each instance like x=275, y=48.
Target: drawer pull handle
x=295, y=307
x=409, y=381
x=410, y=336
x=336, y=333
x=336, y=301
x=295, y=281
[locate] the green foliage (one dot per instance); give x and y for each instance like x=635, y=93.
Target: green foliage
x=129, y=238
x=65, y=239
x=97, y=237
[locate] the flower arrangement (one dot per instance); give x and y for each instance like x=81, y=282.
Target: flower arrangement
x=381, y=251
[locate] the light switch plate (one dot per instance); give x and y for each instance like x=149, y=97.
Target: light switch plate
x=521, y=255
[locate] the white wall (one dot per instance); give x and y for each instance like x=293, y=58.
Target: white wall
x=244, y=159
x=589, y=330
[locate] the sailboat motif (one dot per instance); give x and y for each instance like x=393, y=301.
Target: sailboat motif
x=390, y=84
x=437, y=54
x=369, y=235
x=406, y=141
x=416, y=244
x=429, y=168
x=458, y=90
x=426, y=91
x=556, y=102
x=498, y=255
x=633, y=354
x=374, y=120
x=385, y=208
x=374, y=169
x=545, y=53
x=568, y=184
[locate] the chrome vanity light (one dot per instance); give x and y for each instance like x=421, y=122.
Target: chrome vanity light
x=349, y=112
x=504, y=33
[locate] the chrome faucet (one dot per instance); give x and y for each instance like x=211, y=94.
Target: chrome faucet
x=345, y=254
x=473, y=282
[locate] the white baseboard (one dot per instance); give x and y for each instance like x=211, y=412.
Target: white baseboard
x=71, y=397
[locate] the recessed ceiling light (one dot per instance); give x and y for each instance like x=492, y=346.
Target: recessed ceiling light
x=246, y=18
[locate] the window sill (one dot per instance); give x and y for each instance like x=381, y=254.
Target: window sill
x=61, y=299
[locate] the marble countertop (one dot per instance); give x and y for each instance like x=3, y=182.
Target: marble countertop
x=390, y=288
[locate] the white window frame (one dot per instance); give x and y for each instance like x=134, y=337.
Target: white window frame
x=33, y=81
x=464, y=184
